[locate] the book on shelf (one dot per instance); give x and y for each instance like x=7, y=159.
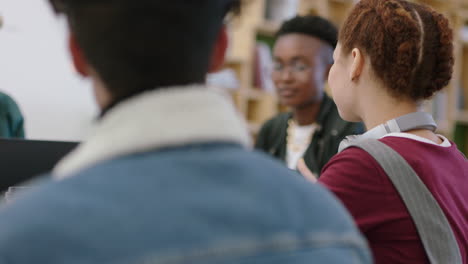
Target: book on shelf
x=263, y=63
x=464, y=34
x=280, y=10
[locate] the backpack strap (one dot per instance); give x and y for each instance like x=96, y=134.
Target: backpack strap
x=433, y=227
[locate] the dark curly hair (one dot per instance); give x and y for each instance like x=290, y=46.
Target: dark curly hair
x=310, y=25
x=138, y=45
x=410, y=45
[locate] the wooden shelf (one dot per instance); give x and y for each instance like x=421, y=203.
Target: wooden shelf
x=463, y=3
x=261, y=107
x=234, y=60
x=257, y=94
x=338, y=10
x=312, y=7
x=462, y=12
x=268, y=28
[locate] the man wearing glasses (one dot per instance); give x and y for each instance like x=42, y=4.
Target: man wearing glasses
x=309, y=135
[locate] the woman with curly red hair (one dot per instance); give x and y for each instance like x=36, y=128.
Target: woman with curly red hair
x=391, y=56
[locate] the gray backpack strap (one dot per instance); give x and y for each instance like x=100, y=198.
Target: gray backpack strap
x=433, y=227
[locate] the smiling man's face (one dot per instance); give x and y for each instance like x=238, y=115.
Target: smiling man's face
x=299, y=71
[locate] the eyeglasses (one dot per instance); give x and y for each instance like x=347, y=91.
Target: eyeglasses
x=294, y=67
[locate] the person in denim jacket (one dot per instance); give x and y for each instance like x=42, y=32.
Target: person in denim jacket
x=167, y=176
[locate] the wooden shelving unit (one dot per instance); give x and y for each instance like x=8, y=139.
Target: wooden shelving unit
x=258, y=106
x=338, y=10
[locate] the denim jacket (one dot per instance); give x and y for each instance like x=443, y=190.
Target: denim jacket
x=178, y=184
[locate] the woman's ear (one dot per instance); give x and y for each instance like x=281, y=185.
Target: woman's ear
x=357, y=64
x=219, y=51
x=79, y=61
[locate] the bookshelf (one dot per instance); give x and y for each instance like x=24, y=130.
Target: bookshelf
x=450, y=107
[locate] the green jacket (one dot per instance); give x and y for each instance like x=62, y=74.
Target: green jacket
x=11, y=119
x=272, y=137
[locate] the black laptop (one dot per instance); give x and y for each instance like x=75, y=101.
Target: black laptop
x=22, y=160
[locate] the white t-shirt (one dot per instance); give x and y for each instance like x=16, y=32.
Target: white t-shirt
x=301, y=137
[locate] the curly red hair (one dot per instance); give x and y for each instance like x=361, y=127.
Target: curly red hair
x=410, y=45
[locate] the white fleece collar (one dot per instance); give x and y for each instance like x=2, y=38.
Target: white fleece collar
x=162, y=118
